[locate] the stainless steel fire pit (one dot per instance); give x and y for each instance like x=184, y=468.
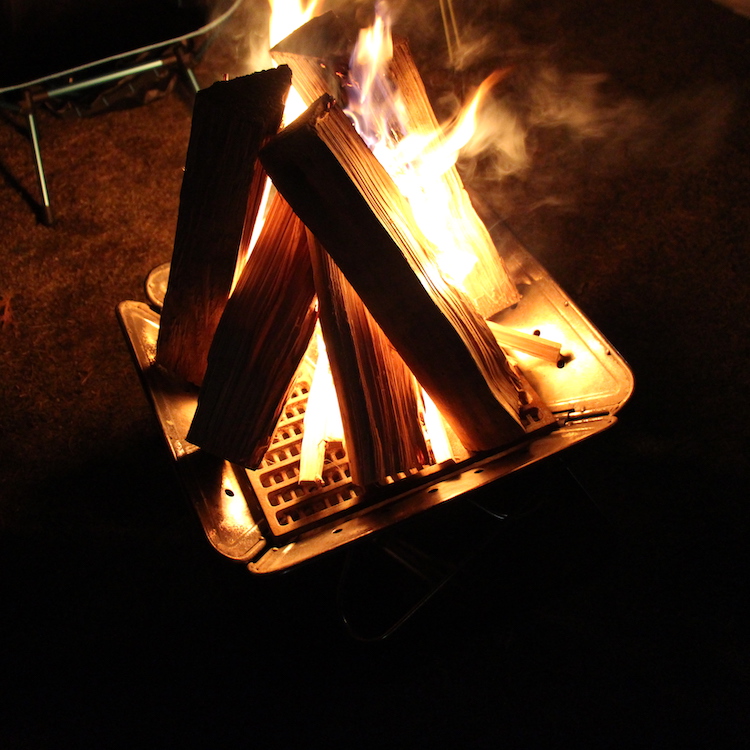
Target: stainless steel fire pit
x=267, y=520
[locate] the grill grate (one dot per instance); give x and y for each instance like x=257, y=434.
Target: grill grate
x=286, y=504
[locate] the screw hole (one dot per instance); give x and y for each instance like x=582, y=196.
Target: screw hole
x=229, y=493
x=337, y=531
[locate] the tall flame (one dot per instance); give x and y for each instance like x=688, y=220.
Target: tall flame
x=286, y=17
x=416, y=162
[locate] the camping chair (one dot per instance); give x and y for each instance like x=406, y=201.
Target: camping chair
x=54, y=53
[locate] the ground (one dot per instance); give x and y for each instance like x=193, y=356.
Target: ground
x=609, y=610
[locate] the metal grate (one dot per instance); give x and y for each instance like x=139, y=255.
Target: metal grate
x=287, y=504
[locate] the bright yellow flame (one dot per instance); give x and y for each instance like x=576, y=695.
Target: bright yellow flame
x=287, y=16
x=294, y=106
x=437, y=152
x=417, y=162
x=372, y=52
x=323, y=422
x=435, y=431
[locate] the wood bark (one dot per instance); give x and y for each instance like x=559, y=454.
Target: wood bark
x=378, y=396
x=259, y=344
x=219, y=199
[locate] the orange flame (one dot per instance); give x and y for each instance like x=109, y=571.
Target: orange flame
x=416, y=162
x=287, y=16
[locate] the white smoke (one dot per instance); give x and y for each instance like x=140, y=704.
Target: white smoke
x=555, y=132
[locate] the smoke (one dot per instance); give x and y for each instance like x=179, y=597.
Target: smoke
x=580, y=113
x=559, y=135
x=240, y=44
x=562, y=119
x=569, y=114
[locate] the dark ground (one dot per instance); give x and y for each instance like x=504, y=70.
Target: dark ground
x=609, y=615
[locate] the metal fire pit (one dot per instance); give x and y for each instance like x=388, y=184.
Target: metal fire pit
x=267, y=520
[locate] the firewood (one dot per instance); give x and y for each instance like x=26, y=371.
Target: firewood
x=219, y=199
x=378, y=396
x=318, y=54
x=527, y=343
x=259, y=344
x=489, y=284
x=340, y=191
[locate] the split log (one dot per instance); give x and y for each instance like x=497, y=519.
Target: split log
x=489, y=284
x=219, y=200
x=259, y=344
x=378, y=396
x=340, y=191
x=527, y=343
x=318, y=54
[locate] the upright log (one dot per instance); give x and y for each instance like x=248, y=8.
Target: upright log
x=219, y=200
x=378, y=396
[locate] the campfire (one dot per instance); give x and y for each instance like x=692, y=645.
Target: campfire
x=343, y=342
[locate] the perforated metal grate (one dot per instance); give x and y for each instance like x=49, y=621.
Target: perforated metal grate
x=287, y=504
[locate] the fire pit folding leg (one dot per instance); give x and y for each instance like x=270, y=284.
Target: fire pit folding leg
x=389, y=577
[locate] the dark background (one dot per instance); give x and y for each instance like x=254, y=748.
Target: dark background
x=609, y=610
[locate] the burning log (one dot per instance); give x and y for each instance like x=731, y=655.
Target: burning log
x=259, y=344
x=318, y=54
x=378, y=395
x=219, y=201
x=344, y=196
x=489, y=285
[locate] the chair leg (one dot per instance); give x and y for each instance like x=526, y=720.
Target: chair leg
x=47, y=216
x=185, y=60
x=193, y=80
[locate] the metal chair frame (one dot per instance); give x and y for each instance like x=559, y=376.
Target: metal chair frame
x=25, y=98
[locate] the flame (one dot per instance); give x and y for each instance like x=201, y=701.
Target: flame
x=417, y=162
x=286, y=17
x=434, y=428
x=323, y=422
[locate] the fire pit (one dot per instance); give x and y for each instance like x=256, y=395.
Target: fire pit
x=265, y=519
x=454, y=358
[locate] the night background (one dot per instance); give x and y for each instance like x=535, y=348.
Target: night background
x=610, y=608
